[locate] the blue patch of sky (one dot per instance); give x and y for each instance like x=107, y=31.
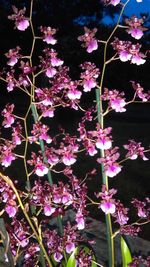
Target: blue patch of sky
x=132, y=8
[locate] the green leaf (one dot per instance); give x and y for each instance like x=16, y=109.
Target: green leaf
x=126, y=254
x=72, y=261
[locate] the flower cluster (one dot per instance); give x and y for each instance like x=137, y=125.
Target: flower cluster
x=8, y=116
x=99, y=138
x=143, y=207
x=6, y=153
x=129, y=52
x=89, y=76
x=9, y=199
x=108, y=203
x=139, y=90
x=40, y=133
x=112, y=168
x=135, y=27
x=140, y=261
x=121, y=213
x=21, y=22
x=48, y=33
x=134, y=150
x=116, y=100
x=13, y=56
x=89, y=40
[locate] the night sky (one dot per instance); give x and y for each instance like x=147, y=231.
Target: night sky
x=132, y=8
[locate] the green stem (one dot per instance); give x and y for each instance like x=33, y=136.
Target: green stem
x=36, y=116
x=110, y=240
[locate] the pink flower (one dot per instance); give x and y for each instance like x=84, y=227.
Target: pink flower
x=111, y=2
x=11, y=210
x=7, y=159
x=88, y=85
x=114, y=2
x=138, y=60
x=115, y=98
x=103, y=143
x=135, y=27
x=120, y=213
x=89, y=40
x=92, y=45
x=22, y=24
x=91, y=150
x=107, y=204
x=136, y=33
x=12, y=61
x=50, y=72
x=124, y=56
x=8, y=116
x=41, y=169
x=58, y=256
x=140, y=91
x=48, y=210
x=74, y=94
x=44, y=136
x=48, y=113
x=134, y=150
x=108, y=207
x=50, y=40
x=80, y=221
x=56, y=62
x=112, y=170
x=89, y=76
x=70, y=247
x=118, y=104
x=52, y=159
x=68, y=159
x=48, y=33
x=9, y=120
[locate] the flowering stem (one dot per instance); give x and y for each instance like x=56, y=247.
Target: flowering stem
x=10, y=183
x=101, y=122
x=110, y=240
x=35, y=113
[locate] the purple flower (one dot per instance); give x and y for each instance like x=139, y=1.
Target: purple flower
x=58, y=256
x=41, y=169
x=89, y=40
x=92, y=45
x=68, y=159
x=48, y=33
x=7, y=159
x=51, y=72
x=80, y=221
x=48, y=210
x=112, y=170
x=22, y=24
x=108, y=207
x=11, y=210
x=74, y=94
x=103, y=143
